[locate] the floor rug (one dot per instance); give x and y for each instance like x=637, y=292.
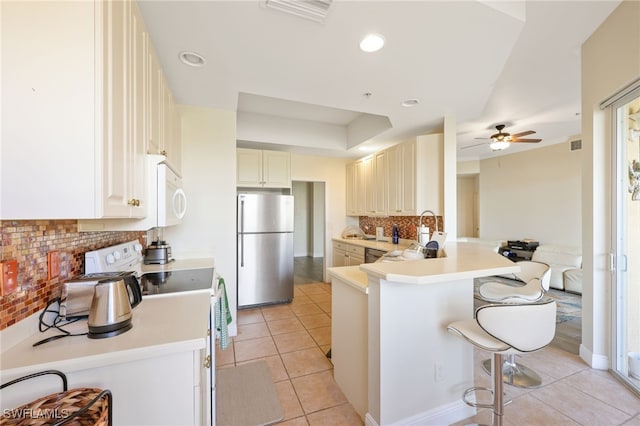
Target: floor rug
x=246, y=395
x=569, y=305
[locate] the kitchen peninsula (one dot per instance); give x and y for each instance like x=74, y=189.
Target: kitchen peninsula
x=392, y=355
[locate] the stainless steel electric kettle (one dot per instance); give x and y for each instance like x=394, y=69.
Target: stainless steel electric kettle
x=110, y=312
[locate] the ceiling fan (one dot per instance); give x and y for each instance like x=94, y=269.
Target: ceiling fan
x=502, y=140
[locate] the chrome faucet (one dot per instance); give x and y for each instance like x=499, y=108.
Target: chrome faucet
x=435, y=219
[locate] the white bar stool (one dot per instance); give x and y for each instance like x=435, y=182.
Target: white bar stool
x=537, y=277
x=506, y=329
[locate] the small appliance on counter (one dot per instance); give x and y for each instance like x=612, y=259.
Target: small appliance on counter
x=110, y=312
x=77, y=294
x=158, y=253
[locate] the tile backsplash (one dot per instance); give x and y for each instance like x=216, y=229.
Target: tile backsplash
x=407, y=225
x=29, y=242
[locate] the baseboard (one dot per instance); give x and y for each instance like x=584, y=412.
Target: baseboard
x=599, y=362
x=443, y=415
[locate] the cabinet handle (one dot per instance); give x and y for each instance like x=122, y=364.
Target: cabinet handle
x=133, y=202
x=207, y=362
x=163, y=152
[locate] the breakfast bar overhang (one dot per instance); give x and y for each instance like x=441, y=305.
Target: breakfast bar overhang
x=416, y=371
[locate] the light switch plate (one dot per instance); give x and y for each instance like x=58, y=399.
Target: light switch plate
x=8, y=277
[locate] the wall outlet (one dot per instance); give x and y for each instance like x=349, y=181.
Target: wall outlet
x=8, y=277
x=53, y=262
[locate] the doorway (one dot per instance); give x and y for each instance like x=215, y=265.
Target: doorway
x=468, y=206
x=626, y=240
x=309, y=231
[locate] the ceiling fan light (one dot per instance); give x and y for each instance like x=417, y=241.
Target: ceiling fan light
x=499, y=145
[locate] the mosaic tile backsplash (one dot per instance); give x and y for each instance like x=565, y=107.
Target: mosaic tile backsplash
x=407, y=225
x=28, y=242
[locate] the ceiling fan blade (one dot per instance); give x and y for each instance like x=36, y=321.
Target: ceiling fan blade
x=526, y=140
x=486, y=139
x=473, y=146
x=517, y=135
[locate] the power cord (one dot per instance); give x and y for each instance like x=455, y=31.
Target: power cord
x=58, y=323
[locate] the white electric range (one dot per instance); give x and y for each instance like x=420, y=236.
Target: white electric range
x=164, y=280
x=175, y=276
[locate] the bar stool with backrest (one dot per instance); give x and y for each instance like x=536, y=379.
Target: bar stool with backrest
x=537, y=277
x=505, y=329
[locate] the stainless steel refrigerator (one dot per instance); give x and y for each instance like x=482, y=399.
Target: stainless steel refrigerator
x=265, y=249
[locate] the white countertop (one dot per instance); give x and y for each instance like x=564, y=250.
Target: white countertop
x=379, y=245
x=352, y=276
x=462, y=261
x=161, y=325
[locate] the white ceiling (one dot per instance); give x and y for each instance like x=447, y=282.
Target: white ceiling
x=482, y=62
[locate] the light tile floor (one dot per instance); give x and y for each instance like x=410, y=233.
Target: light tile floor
x=294, y=338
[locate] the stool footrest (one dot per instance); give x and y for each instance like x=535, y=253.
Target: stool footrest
x=466, y=393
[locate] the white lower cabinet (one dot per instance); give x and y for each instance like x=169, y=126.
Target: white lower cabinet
x=164, y=390
x=349, y=342
x=347, y=254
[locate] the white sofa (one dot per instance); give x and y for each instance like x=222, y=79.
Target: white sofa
x=565, y=263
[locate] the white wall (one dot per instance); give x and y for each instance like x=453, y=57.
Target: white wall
x=534, y=194
x=610, y=60
x=209, y=176
x=301, y=218
x=331, y=171
x=318, y=219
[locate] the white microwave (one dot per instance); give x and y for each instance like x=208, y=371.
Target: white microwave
x=172, y=201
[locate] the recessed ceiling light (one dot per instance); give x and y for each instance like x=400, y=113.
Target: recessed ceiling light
x=192, y=59
x=372, y=43
x=410, y=102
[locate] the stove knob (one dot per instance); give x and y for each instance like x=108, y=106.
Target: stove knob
x=137, y=247
x=117, y=255
x=110, y=259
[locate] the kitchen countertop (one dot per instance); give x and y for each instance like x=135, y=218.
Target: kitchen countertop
x=463, y=260
x=352, y=276
x=378, y=245
x=162, y=325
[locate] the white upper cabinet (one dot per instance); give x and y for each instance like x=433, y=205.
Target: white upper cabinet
x=165, y=136
x=403, y=180
x=263, y=169
x=76, y=136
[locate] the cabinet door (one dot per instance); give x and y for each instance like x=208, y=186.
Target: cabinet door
x=380, y=183
x=154, y=103
x=339, y=257
x=116, y=126
x=276, y=169
x=394, y=181
x=363, y=167
x=408, y=178
x=139, y=115
x=355, y=259
x=350, y=190
x=249, y=167
x=368, y=185
x=48, y=110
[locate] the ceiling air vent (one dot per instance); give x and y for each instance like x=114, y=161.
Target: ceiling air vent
x=315, y=10
x=576, y=145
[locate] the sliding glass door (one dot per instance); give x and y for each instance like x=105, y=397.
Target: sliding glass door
x=626, y=244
